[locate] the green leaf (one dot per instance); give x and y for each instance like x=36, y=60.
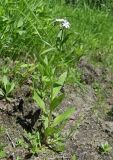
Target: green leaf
x=48, y=50
x=74, y=157
x=59, y=146
x=46, y=60
x=66, y=38
x=8, y=99
x=50, y=131
x=62, y=78
x=59, y=36
x=21, y=32
x=39, y=101
x=12, y=85
x=56, y=101
x=62, y=117
x=46, y=122
x=5, y=81
x=58, y=85
x=24, y=65
x=1, y=92
x=56, y=90
x=20, y=23
x=8, y=86
x=2, y=154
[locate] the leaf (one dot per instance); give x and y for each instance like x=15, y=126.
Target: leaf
x=21, y=32
x=58, y=85
x=62, y=78
x=24, y=65
x=47, y=50
x=66, y=38
x=59, y=146
x=7, y=89
x=46, y=60
x=20, y=23
x=56, y=101
x=1, y=93
x=12, y=85
x=2, y=154
x=56, y=90
x=50, y=131
x=45, y=79
x=62, y=117
x=39, y=101
x=5, y=81
x=74, y=157
x=8, y=99
x=59, y=36
x=46, y=122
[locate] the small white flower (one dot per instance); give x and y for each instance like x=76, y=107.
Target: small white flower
x=63, y=23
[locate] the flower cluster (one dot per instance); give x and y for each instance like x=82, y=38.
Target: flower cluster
x=63, y=23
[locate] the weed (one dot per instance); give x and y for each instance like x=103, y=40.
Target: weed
x=23, y=71
x=105, y=148
x=49, y=131
x=6, y=88
x=18, y=158
x=2, y=152
x=62, y=37
x=74, y=157
x=20, y=143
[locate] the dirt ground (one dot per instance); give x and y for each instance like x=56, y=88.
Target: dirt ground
x=89, y=127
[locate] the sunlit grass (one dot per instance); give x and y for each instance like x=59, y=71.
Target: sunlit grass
x=27, y=30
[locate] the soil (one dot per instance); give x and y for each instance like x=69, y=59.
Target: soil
x=90, y=126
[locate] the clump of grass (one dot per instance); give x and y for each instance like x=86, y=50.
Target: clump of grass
x=105, y=148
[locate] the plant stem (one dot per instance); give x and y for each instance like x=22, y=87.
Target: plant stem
x=51, y=98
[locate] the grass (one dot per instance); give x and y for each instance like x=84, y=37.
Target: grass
x=27, y=30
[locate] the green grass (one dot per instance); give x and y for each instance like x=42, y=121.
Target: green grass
x=27, y=30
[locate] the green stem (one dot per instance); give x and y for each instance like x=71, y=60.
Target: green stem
x=62, y=36
x=51, y=97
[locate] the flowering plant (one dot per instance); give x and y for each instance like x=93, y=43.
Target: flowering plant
x=62, y=36
x=48, y=99
x=63, y=23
